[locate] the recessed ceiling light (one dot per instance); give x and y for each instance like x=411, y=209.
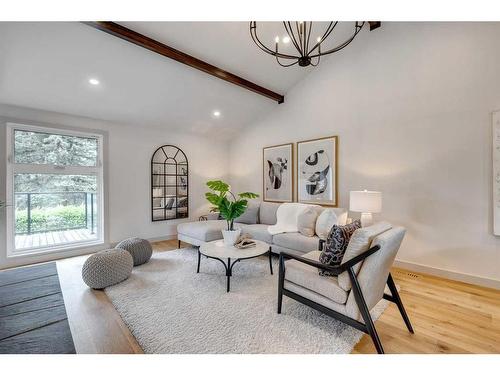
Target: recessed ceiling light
x=94, y=81
x=286, y=39
x=216, y=113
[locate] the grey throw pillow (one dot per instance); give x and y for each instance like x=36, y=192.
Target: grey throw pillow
x=251, y=214
x=336, y=245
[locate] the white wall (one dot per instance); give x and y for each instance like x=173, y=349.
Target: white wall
x=411, y=104
x=128, y=164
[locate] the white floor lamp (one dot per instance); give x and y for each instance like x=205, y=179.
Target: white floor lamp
x=366, y=202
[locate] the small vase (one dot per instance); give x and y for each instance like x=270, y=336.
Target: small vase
x=231, y=236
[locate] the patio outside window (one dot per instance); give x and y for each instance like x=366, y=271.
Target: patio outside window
x=54, y=183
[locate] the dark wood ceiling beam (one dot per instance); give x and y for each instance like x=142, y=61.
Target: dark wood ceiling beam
x=374, y=25
x=153, y=45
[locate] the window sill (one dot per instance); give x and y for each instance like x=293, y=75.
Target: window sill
x=66, y=248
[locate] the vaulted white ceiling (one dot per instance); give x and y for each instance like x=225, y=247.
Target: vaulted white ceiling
x=48, y=65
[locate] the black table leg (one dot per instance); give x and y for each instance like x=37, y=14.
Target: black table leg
x=270, y=261
x=199, y=257
x=229, y=266
x=228, y=273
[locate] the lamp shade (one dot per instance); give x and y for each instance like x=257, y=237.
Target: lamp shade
x=365, y=201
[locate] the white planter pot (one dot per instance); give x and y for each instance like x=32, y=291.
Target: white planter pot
x=231, y=236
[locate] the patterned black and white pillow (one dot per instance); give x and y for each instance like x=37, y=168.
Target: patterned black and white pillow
x=336, y=245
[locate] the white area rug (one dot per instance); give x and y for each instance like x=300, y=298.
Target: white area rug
x=170, y=308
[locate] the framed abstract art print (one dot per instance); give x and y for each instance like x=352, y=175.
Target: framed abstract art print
x=278, y=173
x=317, y=171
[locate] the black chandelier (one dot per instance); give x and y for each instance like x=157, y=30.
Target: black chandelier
x=299, y=34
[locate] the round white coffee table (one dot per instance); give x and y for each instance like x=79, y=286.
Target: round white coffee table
x=219, y=251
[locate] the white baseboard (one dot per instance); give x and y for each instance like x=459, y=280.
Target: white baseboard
x=163, y=238
x=51, y=256
x=447, y=274
x=154, y=239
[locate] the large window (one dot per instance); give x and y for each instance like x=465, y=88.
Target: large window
x=55, y=185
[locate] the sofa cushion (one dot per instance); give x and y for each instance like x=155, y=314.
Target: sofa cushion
x=296, y=241
x=306, y=221
x=256, y=231
x=336, y=245
x=209, y=230
x=328, y=218
x=276, y=249
x=267, y=213
x=359, y=243
x=251, y=214
x=307, y=277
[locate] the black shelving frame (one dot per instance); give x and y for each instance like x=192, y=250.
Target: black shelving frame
x=171, y=157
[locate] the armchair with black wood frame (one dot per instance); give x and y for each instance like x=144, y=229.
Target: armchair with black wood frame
x=358, y=283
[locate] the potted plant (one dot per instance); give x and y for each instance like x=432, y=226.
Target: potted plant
x=230, y=207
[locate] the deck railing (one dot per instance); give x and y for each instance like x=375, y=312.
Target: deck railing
x=33, y=216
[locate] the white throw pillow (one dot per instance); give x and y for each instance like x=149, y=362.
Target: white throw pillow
x=327, y=219
x=306, y=221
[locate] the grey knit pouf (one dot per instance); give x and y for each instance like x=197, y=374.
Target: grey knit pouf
x=106, y=268
x=140, y=249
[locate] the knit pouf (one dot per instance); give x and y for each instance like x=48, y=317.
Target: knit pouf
x=106, y=268
x=140, y=249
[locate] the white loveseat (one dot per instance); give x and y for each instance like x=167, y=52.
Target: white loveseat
x=259, y=216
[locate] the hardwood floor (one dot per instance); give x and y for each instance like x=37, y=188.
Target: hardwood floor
x=95, y=324
x=448, y=316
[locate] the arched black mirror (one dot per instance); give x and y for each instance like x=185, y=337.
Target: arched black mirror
x=169, y=184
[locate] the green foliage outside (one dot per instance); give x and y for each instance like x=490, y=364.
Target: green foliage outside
x=229, y=206
x=44, y=148
x=51, y=219
x=53, y=149
x=57, y=200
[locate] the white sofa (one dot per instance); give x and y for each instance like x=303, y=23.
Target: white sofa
x=255, y=222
